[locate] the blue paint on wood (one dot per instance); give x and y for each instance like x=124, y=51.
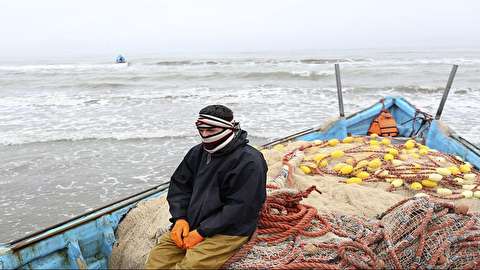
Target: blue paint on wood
x=91, y=242
x=440, y=138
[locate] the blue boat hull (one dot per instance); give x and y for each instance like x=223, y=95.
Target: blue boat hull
x=86, y=241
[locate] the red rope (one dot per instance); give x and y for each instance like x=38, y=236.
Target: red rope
x=284, y=219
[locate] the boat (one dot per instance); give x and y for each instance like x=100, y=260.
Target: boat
x=86, y=241
x=120, y=59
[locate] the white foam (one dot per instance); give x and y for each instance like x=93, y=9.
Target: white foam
x=59, y=67
x=41, y=136
x=69, y=187
x=111, y=181
x=143, y=178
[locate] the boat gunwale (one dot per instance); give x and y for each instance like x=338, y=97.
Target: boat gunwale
x=469, y=145
x=77, y=220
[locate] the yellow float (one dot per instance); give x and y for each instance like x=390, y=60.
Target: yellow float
x=354, y=180
x=305, y=169
x=429, y=183
x=416, y=186
x=337, y=154
x=347, y=169
x=333, y=142
x=362, y=175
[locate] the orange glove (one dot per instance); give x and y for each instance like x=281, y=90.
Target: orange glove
x=180, y=230
x=192, y=239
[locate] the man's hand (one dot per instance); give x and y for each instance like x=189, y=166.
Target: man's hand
x=179, y=232
x=192, y=239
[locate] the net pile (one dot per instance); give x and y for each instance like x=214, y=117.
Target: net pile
x=138, y=233
x=425, y=231
x=410, y=165
x=419, y=232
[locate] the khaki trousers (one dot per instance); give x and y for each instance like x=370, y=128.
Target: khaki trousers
x=211, y=253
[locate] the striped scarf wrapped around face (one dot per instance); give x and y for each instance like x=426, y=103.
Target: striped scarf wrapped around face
x=217, y=141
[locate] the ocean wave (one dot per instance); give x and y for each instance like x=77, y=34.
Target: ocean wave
x=474, y=92
x=335, y=60
x=37, y=101
x=261, y=136
x=97, y=85
x=400, y=89
x=461, y=61
x=286, y=75
x=59, y=67
x=190, y=62
x=312, y=61
x=407, y=63
x=408, y=89
x=418, y=89
x=316, y=61
x=126, y=136
x=260, y=75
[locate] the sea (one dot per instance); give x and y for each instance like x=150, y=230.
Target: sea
x=78, y=133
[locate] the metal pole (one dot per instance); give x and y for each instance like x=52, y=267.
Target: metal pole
x=445, y=93
x=339, y=90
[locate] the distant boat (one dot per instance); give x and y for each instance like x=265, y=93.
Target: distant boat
x=120, y=59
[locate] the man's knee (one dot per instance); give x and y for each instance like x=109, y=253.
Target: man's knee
x=165, y=254
x=212, y=253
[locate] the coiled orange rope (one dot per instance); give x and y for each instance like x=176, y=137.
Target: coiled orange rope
x=443, y=228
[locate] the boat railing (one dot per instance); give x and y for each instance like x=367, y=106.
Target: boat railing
x=85, y=217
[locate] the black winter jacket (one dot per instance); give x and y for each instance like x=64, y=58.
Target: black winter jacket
x=220, y=193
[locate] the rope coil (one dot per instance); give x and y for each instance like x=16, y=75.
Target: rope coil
x=414, y=233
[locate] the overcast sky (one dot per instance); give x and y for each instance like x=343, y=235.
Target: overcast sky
x=93, y=27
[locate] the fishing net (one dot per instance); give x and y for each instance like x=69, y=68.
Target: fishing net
x=425, y=231
x=138, y=233
x=403, y=165
x=419, y=232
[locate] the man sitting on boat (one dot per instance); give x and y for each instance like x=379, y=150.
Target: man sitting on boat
x=214, y=196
